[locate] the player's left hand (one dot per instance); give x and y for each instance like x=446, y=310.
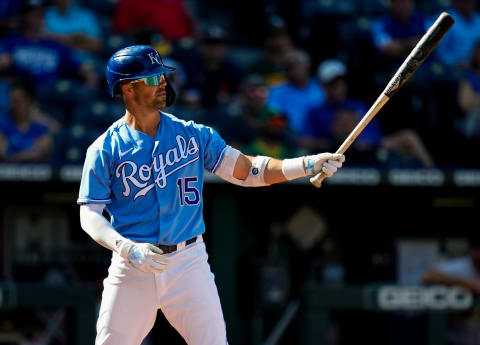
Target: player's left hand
x=327, y=163
x=146, y=257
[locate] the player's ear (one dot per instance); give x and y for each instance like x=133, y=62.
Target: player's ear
x=127, y=88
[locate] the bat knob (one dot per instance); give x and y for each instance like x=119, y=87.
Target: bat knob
x=317, y=180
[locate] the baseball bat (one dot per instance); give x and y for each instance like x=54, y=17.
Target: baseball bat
x=421, y=51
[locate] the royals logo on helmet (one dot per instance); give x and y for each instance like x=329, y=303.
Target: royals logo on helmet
x=155, y=58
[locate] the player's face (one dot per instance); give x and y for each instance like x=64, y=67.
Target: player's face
x=153, y=96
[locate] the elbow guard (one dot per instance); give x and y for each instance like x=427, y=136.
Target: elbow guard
x=256, y=172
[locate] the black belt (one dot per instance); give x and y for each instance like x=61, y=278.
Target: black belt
x=172, y=248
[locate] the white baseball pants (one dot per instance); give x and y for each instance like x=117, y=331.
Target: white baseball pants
x=186, y=293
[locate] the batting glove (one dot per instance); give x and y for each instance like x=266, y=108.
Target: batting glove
x=144, y=257
x=328, y=163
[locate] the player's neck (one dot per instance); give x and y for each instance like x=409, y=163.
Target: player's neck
x=145, y=122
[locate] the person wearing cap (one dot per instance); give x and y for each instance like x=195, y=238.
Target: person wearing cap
x=331, y=122
x=332, y=74
x=212, y=72
x=276, y=46
x=147, y=171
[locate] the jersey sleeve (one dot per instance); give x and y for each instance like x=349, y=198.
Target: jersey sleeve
x=96, y=178
x=213, y=147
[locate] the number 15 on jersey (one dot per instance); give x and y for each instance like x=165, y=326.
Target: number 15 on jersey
x=187, y=191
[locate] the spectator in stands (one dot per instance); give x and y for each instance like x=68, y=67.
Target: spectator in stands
x=463, y=271
x=299, y=94
x=457, y=46
x=73, y=25
x=31, y=55
x=171, y=18
x=24, y=136
x=394, y=36
x=252, y=125
x=397, y=33
x=469, y=98
x=276, y=47
x=331, y=122
x=332, y=74
x=212, y=73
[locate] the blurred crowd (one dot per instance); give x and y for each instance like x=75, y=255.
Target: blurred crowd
x=280, y=78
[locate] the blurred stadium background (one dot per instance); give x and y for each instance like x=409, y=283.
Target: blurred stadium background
x=385, y=253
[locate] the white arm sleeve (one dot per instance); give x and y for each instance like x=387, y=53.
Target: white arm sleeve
x=255, y=175
x=101, y=231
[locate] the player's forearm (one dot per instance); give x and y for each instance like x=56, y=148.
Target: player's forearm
x=273, y=172
x=248, y=171
x=99, y=229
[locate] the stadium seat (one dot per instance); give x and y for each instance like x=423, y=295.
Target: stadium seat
x=114, y=42
x=431, y=7
x=4, y=97
x=104, y=7
x=72, y=142
x=372, y=8
x=338, y=7
x=98, y=112
x=65, y=91
x=244, y=56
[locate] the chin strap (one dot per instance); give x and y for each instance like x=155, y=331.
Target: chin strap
x=170, y=93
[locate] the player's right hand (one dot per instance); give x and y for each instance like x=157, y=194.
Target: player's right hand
x=328, y=163
x=147, y=258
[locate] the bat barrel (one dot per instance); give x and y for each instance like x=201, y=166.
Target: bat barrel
x=421, y=51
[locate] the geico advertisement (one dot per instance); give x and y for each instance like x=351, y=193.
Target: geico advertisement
x=429, y=297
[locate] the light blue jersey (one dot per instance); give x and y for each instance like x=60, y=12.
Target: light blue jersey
x=152, y=187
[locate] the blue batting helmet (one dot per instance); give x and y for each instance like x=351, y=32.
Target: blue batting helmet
x=134, y=62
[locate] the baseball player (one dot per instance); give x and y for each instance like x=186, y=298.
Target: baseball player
x=147, y=172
